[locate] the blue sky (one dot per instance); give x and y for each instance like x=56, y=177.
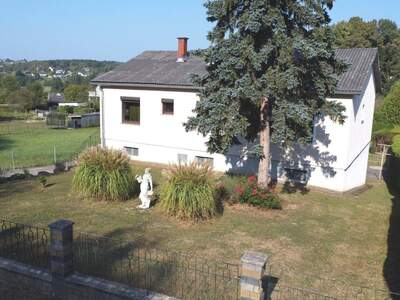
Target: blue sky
x=121, y=29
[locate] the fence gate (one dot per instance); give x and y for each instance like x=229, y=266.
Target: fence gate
x=377, y=160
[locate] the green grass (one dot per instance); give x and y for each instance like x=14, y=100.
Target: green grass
x=32, y=144
x=343, y=237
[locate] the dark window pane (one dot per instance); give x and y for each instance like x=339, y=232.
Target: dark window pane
x=131, y=111
x=167, y=106
x=132, y=151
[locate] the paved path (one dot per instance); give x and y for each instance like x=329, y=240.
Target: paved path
x=35, y=171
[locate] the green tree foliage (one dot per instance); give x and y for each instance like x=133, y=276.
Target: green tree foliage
x=356, y=34
x=270, y=67
x=9, y=83
x=383, y=34
x=396, y=145
x=56, y=84
x=28, y=98
x=391, y=105
x=76, y=93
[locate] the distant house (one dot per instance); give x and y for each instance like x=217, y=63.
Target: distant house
x=94, y=94
x=54, y=99
x=145, y=102
x=82, y=74
x=59, y=74
x=73, y=104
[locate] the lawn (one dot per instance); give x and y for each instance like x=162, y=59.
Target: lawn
x=33, y=144
x=331, y=236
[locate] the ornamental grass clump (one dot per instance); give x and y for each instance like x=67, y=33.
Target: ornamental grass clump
x=104, y=174
x=188, y=192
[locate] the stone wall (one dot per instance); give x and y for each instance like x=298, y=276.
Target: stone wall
x=19, y=281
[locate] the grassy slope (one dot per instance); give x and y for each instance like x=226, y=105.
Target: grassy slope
x=334, y=236
x=33, y=144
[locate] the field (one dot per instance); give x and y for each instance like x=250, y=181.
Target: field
x=348, y=237
x=25, y=144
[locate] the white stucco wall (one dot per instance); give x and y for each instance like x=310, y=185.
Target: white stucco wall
x=160, y=138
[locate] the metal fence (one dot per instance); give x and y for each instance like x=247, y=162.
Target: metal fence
x=283, y=282
x=167, y=272
x=25, y=243
x=13, y=159
x=181, y=275
x=7, y=128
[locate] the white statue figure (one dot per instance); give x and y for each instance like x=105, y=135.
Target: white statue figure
x=146, y=188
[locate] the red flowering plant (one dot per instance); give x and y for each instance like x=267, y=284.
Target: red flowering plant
x=249, y=192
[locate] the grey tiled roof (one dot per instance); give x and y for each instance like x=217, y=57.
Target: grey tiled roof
x=161, y=68
x=361, y=61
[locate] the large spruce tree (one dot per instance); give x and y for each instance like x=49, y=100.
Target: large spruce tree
x=270, y=67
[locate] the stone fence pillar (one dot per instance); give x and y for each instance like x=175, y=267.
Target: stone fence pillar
x=253, y=267
x=61, y=253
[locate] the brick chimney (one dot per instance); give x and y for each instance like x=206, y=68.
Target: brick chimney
x=182, y=55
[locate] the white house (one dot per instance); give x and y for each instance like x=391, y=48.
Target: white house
x=145, y=102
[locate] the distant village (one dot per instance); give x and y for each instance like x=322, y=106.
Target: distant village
x=43, y=72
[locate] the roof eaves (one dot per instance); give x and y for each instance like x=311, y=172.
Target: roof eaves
x=144, y=85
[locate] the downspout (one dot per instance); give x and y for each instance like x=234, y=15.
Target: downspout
x=102, y=136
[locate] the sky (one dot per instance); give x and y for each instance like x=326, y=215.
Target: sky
x=121, y=29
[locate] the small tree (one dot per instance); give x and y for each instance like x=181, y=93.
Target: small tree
x=270, y=67
x=391, y=105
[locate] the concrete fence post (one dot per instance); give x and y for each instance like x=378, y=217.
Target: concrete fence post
x=252, y=271
x=61, y=253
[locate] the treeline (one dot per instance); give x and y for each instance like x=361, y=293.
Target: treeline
x=383, y=34
x=73, y=65
x=24, y=92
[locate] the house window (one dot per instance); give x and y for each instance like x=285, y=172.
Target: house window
x=182, y=158
x=130, y=110
x=296, y=175
x=204, y=160
x=132, y=151
x=167, y=106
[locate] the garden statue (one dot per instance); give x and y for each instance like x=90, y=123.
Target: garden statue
x=146, y=188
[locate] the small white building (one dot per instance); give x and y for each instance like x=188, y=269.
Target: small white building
x=145, y=102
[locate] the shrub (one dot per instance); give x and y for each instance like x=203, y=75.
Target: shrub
x=391, y=105
x=248, y=192
x=396, y=145
x=104, y=174
x=188, y=192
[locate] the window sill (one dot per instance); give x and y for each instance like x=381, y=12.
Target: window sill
x=131, y=123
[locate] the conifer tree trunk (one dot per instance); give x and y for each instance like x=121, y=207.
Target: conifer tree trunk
x=263, y=167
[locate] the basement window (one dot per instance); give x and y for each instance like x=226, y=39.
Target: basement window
x=167, y=106
x=201, y=160
x=132, y=151
x=296, y=175
x=182, y=158
x=130, y=110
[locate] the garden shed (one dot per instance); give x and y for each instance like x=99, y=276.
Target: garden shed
x=84, y=121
